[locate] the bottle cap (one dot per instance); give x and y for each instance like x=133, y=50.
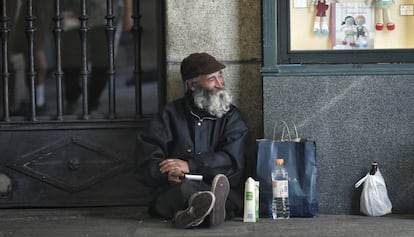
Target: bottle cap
x=279, y=161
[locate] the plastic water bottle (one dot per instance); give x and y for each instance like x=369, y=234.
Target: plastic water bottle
x=280, y=202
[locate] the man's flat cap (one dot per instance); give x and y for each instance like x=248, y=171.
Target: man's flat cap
x=198, y=64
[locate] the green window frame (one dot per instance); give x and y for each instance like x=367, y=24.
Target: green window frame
x=279, y=58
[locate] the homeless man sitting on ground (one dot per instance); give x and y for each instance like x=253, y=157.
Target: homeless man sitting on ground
x=201, y=133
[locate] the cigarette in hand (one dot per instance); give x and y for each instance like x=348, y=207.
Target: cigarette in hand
x=194, y=177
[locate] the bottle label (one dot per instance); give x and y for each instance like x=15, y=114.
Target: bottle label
x=280, y=189
x=249, y=196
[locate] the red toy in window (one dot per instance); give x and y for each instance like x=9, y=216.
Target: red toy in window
x=321, y=23
x=321, y=8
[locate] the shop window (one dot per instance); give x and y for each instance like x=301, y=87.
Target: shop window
x=338, y=32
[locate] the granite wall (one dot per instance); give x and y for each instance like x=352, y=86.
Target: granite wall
x=354, y=120
x=230, y=30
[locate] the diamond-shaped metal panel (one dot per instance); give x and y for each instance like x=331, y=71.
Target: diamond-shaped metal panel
x=71, y=164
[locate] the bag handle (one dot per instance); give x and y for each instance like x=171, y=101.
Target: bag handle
x=296, y=130
x=361, y=181
x=297, y=138
x=283, y=131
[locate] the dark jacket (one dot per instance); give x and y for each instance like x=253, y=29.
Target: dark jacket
x=211, y=145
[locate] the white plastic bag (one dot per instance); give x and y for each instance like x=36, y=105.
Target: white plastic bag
x=374, y=197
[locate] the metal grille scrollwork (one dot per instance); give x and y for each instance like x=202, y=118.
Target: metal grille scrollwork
x=59, y=73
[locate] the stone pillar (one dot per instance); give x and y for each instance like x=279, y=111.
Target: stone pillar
x=230, y=30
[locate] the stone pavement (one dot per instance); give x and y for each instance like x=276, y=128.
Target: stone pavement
x=134, y=221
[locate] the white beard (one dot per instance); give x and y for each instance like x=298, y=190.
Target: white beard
x=216, y=102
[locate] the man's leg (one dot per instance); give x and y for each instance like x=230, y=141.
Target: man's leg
x=99, y=74
x=190, y=202
x=170, y=201
x=220, y=188
x=200, y=205
x=73, y=89
x=201, y=209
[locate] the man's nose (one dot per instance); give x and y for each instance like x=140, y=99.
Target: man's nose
x=219, y=83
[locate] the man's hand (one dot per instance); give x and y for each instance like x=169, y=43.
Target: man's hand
x=169, y=165
x=128, y=12
x=174, y=176
x=175, y=168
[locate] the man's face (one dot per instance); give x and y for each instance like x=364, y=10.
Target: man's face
x=212, y=81
x=210, y=94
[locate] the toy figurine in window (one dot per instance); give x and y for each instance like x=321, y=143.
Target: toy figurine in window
x=320, y=25
x=382, y=9
x=361, y=32
x=349, y=28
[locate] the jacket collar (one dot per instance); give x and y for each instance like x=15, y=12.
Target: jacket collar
x=200, y=114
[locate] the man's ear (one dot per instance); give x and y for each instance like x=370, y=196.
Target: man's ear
x=190, y=85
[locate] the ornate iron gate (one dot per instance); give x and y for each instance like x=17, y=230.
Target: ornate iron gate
x=77, y=158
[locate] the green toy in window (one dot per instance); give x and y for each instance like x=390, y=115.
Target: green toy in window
x=382, y=11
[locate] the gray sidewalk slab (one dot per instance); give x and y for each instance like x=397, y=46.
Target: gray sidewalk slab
x=134, y=221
